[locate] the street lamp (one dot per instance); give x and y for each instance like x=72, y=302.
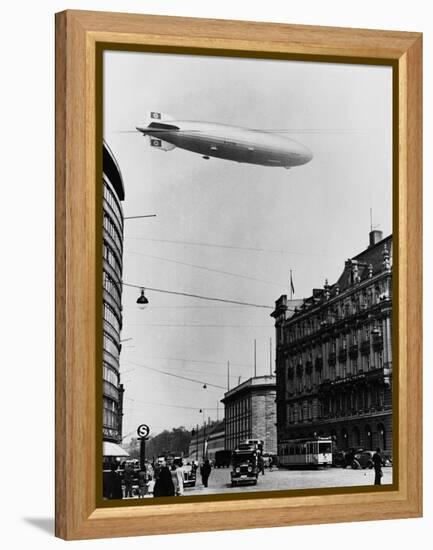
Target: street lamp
x=142, y=301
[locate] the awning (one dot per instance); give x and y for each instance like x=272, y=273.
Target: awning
x=111, y=449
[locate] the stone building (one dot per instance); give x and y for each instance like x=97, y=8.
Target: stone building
x=250, y=413
x=113, y=195
x=334, y=356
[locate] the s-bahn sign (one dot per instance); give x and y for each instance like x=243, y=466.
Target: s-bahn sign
x=143, y=430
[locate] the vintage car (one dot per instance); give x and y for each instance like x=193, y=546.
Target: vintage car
x=245, y=464
x=364, y=459
x=189, y=475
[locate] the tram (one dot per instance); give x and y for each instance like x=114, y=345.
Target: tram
x=305, y=453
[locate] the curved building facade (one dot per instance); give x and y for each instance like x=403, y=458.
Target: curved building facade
x=113, y=195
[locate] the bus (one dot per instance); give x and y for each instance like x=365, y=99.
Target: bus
x=305, y=453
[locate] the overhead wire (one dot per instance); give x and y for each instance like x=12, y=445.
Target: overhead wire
x=198, y=296
x=201, y=361
x=279, y=285
x=226, y=246
x=196, y=325
x=173, y=406
x=203, y=382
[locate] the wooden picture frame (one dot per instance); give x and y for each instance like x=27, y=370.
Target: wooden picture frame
x=80, y=35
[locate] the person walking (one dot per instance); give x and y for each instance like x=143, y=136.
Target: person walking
x=129, y=478
x=113, y=484
x=163, y=484
x=205, y=472
x=142, y=483
x=177, y=479
x=377, y=464
x=261, y=464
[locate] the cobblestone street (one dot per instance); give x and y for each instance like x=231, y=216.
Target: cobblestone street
x=219, y=481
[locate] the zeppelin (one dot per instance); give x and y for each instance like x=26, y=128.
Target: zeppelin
x=224, y=141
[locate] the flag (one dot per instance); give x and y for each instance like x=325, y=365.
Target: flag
x=292, y=288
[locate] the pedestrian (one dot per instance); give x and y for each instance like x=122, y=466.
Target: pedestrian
x=129, y=477
x=261, y=465
x=142, y=483
x=163, y=483
x=271, y=463
x=177, y=479
x=113, y=484
x=377, y=463
x=205, y=472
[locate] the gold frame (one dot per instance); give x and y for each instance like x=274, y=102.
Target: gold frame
x=79, y=35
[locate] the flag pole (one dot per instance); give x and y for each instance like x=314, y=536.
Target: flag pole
x=291, y=286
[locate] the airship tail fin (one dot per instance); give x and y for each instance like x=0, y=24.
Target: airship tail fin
x=157, y=121
x=156, y=116
x=161, y=144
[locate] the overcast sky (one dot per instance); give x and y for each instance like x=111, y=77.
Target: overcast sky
x=308, y=219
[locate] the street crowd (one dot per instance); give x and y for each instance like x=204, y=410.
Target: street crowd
x=159, y=478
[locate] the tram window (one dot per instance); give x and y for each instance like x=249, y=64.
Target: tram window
x=292, y=451
x=297, y=450
x=324, y=447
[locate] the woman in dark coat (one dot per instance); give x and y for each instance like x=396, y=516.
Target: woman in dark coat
x=377, y=463
x=112, y=484
x=163, y=485
x=205, y=472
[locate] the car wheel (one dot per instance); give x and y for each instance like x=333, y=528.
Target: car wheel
x=354, y=465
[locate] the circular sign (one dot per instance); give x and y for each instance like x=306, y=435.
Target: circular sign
x=143, y=430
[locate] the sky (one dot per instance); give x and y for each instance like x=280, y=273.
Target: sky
x=230, y=230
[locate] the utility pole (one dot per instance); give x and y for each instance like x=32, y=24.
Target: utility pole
x=255, y=358
x=270, y=356
x=204, y=437
x=196, y=445
x=228, y=375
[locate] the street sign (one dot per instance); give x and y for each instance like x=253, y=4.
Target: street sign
x=143, y=430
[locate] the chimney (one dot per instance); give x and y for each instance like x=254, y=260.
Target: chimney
x=375, y=237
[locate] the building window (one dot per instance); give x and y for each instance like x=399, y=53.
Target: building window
x=344, y=369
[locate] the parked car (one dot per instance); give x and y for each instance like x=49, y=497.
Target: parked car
x=364, y=459
x=344, y=459
x=339, y=459
x=189, y=475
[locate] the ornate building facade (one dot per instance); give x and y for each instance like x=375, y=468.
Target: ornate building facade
x=334, y=356
x=114, y=193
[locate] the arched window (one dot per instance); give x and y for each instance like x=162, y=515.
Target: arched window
x=356, y=439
